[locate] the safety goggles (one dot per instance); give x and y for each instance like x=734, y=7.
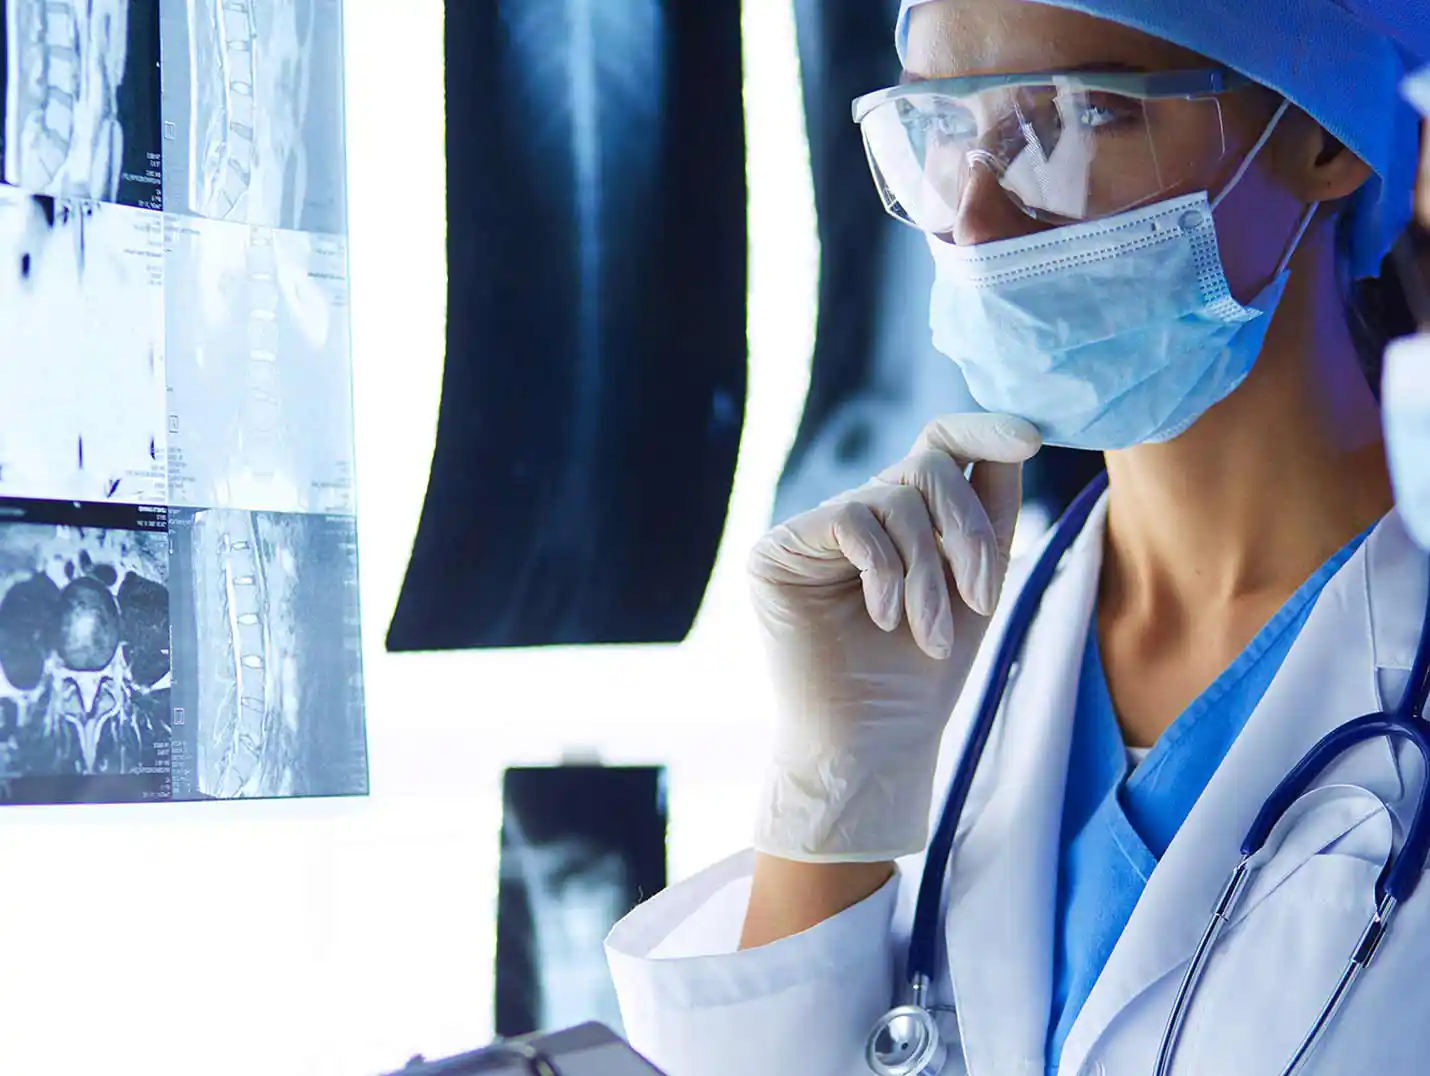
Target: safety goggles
x=1064, y=146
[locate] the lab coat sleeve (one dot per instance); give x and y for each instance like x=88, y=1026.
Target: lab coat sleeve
x=696, y=1005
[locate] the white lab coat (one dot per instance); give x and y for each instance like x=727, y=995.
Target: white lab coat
x=698, y=1007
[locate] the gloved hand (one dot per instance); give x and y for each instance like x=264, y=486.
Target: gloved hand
x=873, y=606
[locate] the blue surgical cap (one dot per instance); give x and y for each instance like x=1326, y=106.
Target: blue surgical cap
x=1341, y=61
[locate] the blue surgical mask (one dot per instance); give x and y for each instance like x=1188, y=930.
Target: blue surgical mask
x=1405, y=408
x=1107, y=333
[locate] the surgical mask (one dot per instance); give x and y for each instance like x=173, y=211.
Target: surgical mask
x=1405, y=408
x=1107, y=333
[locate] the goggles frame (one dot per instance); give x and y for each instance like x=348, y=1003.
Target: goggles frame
x=1142, y=85
x=1190, y=84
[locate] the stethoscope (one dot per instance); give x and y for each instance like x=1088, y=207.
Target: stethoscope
x=906, y=1041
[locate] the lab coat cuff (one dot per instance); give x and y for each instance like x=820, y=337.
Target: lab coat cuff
x=680, y=948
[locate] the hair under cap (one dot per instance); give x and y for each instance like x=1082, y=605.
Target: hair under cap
x=1341, y=61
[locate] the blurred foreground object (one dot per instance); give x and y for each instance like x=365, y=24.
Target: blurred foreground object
x=587, y=1050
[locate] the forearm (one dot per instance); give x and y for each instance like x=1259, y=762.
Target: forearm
x=788, y=897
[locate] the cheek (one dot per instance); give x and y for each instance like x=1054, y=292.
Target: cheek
x=1254, y=226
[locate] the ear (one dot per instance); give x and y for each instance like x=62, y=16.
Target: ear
x=1312, y=163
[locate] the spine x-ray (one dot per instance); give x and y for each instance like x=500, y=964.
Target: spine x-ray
x=594, y=388
x=580, y=847
x=253, y=112
x=81, y=99
x=267, y=662
x=178, y=558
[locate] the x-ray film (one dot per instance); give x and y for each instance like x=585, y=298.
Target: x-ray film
x=178, y=553
x=82, y=380
x=84, y=652
x=267, y=656
x=81, y=99
x=259, y=379
x=253, y=109
x=581, y=846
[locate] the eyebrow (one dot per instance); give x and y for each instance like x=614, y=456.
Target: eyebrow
x=907, y=78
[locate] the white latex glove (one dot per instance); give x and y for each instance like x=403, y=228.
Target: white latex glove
x=873, y=607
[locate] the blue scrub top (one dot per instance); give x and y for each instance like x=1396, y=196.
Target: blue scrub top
x=1115, y=827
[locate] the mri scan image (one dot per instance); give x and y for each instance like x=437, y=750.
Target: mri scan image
x=178, y=553
x=84, y=653
x=260, y=393
x=81, y=99
x=82, y=381
x=267, y=656
x=253, y=109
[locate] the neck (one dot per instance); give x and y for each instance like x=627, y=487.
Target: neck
x=1268, y=484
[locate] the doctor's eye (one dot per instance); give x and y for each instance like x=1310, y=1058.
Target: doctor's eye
x=1097, y=116
x=1108, y=112
x=936, y=120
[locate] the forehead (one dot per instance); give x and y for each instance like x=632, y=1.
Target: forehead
x=979, y=37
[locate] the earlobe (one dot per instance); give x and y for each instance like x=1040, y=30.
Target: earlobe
x=1335, y=172
x=1314, y=164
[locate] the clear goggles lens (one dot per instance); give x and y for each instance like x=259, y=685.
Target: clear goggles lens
x=1060, y=151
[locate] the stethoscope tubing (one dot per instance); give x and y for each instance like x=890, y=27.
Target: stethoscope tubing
x=1397, y=881
x=924, y=934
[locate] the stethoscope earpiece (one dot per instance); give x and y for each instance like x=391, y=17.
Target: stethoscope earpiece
x=906, y=1042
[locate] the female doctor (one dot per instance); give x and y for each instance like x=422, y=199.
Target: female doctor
x=1144, y=219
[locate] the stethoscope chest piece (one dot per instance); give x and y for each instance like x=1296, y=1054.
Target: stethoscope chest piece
x=906, y=1042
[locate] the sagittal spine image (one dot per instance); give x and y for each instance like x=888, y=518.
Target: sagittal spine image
x=260, y=389
x=253, y=97
x=269, y=656
x=82, y=377
x=84, y=649
x=81, y=99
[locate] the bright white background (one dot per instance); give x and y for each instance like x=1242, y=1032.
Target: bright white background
x=341, y=937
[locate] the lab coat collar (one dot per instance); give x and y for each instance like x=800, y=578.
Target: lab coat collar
x=1001, y=889
x=1367, y=619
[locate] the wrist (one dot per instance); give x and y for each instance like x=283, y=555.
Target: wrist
x=840, y=809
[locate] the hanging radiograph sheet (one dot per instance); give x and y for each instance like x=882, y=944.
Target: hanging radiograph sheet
x=178, y=556
x=594, y=387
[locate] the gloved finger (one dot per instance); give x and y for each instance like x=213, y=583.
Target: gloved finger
x=996, y=446
x=978, y=437
x=831, y=545
x=927, y=600
x=868, y=547
x=999, y=487
x=959, y=520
